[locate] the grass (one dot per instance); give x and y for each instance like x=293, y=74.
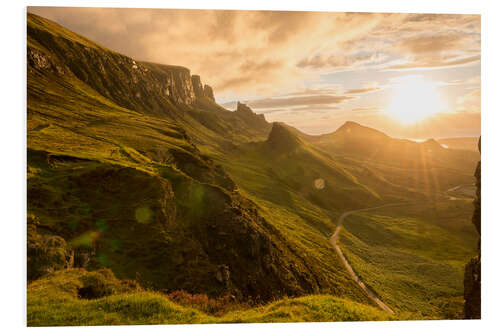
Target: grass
x=166, y=194
x=412, y=263
x=53, y=301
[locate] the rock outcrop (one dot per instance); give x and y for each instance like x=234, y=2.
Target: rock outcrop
x=208, y=92
x=472, y=278
x=197, y=86
x=251, y=118
x=201, y=91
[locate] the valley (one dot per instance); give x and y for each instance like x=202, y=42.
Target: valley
x=140, y=185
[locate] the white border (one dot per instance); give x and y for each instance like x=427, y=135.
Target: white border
x=13, y=135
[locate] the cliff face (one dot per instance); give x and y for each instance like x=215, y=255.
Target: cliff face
x=199, y=90
x=142, y=199
x=472, y=278
x=141, y=86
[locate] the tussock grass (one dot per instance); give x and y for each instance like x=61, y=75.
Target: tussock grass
x=53, y=301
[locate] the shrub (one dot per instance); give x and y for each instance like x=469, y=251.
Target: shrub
x=45, y=253
x=214, y=306
x=103, y=283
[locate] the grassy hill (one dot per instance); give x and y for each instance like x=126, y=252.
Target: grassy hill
x=131, y=169
x=131, y=191
x=53, y=301
x=424, y=167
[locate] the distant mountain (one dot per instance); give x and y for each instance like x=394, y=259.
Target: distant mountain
x=434, y=167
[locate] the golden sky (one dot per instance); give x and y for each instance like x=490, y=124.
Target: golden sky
x=313, y=70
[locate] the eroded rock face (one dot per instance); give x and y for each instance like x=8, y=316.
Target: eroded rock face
x=208, y=92
x=472, y=278
x=243, y=108
x=140, y=86
x=197, y=86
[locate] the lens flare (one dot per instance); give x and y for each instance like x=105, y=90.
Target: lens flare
x=319, y=183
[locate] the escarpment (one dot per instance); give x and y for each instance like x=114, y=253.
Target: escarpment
x=112, y=183
x=472, y=278
x=142, y=86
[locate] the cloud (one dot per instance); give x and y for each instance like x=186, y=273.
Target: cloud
x=470, y=102
x=237, y=52
x=435, y=62
x=337, y=61
x=292, y=65
x=434, y=43
x=366, y=110
x=265, y=52
x=362, y=90
x=297, y=101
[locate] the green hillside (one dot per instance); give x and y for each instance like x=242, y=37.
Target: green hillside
x=413, y=256
x=140, y=185
x=132, y=192
x=424, y=167
x=53, y=301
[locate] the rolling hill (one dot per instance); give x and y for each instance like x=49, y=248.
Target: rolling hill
x=133, y=167
x=130, y=190
x=425, y=167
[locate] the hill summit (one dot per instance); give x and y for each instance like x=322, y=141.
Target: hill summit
x=354, y=129
x=282, y=139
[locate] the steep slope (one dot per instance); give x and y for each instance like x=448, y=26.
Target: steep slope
x=472, y=275
x=121, y=181
x=124, y=171
x=152, y=89
x=132, y=192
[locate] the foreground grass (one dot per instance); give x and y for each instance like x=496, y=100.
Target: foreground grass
x=54, y=301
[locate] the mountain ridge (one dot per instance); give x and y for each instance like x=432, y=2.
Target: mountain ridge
x=176, y=192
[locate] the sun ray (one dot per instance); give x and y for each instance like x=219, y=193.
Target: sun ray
x=413, y=100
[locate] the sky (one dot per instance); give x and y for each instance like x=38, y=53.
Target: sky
x=409, y=75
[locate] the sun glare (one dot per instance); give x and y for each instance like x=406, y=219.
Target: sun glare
x=413, y=100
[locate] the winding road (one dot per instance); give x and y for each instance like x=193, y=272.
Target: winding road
x=354, y=276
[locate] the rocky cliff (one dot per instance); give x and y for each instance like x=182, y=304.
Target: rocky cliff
x=199, y=90
x=142, y=86
x=114, y=187
x=472, y=278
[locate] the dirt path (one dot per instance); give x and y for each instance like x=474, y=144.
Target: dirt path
x=354, y=276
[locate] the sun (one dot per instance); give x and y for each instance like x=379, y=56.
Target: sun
x=414, y=100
